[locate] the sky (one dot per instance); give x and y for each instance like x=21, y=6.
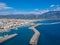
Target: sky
x=28, y=6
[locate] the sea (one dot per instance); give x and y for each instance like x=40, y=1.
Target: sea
x=49, y=34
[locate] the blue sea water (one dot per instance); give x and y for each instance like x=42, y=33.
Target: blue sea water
x=50, y=34
x=23, y=37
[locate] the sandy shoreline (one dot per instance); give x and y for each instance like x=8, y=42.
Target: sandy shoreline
x=35, y=37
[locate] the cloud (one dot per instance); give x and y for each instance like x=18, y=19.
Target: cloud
x=36, y=9
x=5, y=9
x=5, y=13
x=31, y=12
x=44, y=11
x=4, y=6
x=57, y=9
x=52, y=5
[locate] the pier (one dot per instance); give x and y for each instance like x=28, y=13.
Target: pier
x=35, y=37
x=5, y=38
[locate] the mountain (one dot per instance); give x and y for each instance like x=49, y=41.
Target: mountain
x=19, y=16
x=50, y=15
x=47, y=15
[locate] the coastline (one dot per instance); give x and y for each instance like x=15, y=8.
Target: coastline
x=34, y=39
x=7, y=24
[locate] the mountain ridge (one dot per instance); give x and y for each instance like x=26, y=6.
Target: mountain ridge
x=47, y=15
